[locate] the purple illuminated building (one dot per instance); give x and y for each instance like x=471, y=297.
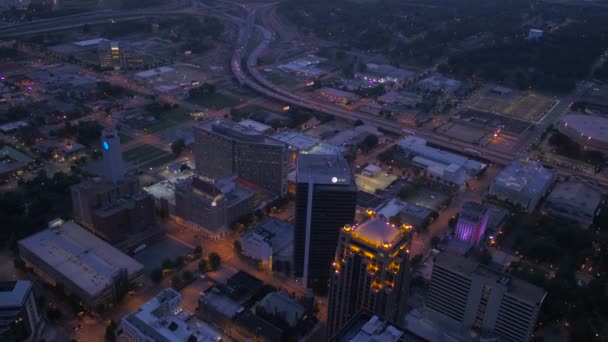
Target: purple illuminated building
x=472, y=223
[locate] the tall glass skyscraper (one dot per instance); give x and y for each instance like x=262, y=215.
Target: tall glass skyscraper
x=326, y=199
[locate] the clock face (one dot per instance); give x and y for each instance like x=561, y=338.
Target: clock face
x=106, y=146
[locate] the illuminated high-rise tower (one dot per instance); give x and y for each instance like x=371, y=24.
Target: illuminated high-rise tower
x=472, y=223
x=371, y=271
x=113, y=165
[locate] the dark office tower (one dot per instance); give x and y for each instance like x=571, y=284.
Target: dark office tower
x=223, y=148
x=113, y=165
x=370, y=271
x=325, y=202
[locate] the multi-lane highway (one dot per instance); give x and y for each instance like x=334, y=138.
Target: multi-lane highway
x=250, y=76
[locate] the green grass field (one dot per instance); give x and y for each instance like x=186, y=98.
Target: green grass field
x=216, y=101
x=168, y=119
x=143, y=154
x=124, y=138
x=159, y=161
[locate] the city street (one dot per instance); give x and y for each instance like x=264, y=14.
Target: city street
x=421, y=243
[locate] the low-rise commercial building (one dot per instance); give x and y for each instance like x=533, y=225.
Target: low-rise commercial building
x=20, y=319
x=211, y=207
x=365, y=326
x=269, y=242
x=384, y=74
x=574, y=201
x=410, y=213
x=418, y=147
x=405, y=99
x=590, y=132
x=301, y=143
x=523, y=182
x=435, y=83
x=281, y=304
x=12, y=127
x=306, y=66
x=12, y=161
x=87, y=267
x=337, y=95
x=447, y=167
x=159, y=320
x=354, y=136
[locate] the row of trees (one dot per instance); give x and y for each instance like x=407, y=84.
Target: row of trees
x=35, y=202
x=85, y=132
x=553, y=252
x=176, y=264
x=569, y=148
x=542, y=65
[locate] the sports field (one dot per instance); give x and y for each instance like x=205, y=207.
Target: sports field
x=526, y=107
x=147, y=156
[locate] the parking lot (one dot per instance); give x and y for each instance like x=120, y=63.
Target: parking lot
x=167, y=248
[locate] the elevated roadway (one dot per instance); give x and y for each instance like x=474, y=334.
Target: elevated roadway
x=260, y=84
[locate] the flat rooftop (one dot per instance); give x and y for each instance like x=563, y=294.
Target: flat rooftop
x=419, y=147
x=323, y=169
x=236, y=131
x=154, y=72
x=467, y=267
x=12, y=159
x=13, y=126
x=366, y=327
x=473, y=211
x=275, y=231
x=388, y=70
x=162, y=325
x=376, y=232
x=166, y=189
x=525, y=175
x=589, y=126
x=88, y=261
x=368, y=201
x=576, y=192
x=12, y=293
x=90, y=42
x=254, y=125
x=395, y=207
x=221, y=303
x=372, y=184
x=296, y=140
